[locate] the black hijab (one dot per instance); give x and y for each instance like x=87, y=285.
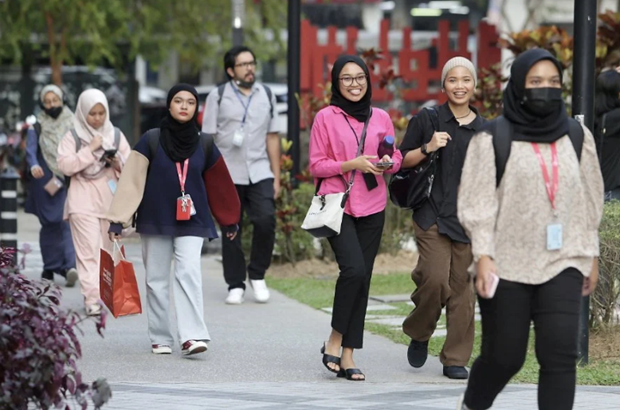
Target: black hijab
x=528, y=126
x=179, y=140
x=360, y=109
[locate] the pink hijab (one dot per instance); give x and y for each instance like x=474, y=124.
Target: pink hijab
x=88, y=99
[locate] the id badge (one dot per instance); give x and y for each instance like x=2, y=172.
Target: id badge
x=112, y=185
x=238, y=138
x=184, y=208
x=554, y=237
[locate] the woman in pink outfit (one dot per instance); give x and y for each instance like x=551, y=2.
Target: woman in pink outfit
x=92, y=154
x=334, y=140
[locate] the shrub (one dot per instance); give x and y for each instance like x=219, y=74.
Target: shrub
x=39, y=347
x=604, y=300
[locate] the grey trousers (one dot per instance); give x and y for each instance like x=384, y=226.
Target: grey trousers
x=157, y=253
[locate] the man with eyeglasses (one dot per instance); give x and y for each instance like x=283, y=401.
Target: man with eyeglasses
x=241, y=114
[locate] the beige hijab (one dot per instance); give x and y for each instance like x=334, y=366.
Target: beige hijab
x=88, y=99
x=53, y=130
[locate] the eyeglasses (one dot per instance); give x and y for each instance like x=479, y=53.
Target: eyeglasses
x=348, y=81
x=249, y=64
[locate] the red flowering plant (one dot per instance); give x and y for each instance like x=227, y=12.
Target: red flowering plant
x=39, y=347
x=292, y=243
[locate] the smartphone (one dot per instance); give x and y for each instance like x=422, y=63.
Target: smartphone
x=384, y=164
x=494, y=283
x=108, y=154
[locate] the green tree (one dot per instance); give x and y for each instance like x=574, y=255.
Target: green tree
x=93, y=31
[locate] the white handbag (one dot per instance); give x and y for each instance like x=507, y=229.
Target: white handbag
x=324, y=218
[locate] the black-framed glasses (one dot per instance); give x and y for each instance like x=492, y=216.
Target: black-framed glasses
x=348, y=80
x=248, y=64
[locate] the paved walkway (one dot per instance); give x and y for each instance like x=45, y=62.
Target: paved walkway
x=263, y=356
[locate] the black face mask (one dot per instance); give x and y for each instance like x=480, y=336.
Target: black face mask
x=542, y=101
x=53, y=112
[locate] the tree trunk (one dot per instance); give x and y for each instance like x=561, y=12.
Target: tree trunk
x=54, y=50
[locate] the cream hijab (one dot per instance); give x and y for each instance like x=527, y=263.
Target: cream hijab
x=88, y=99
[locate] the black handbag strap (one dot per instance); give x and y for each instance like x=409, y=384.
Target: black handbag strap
x=360, y=148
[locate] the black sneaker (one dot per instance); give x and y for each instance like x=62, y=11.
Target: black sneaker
x=455, y=372
x=417, y=353
x=48, y=275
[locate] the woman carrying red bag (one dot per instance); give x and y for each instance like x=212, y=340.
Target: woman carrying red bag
x=177, y=181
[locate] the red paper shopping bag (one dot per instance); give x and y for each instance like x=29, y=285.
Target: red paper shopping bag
x=117, y=284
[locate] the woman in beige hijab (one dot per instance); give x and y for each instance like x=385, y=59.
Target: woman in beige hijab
x=47, y=189
x=93, y=155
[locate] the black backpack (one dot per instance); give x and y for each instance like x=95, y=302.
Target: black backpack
x=220, y=94
x=502, y=141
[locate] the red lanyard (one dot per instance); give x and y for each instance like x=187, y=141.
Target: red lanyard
x=552, y=186
x=182, y=174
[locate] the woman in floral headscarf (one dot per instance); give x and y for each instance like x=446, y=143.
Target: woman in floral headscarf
x=92, y=154
x=47, y=188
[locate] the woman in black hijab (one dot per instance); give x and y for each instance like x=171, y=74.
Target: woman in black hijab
x=534, y=235
x=335, y=159
x=177, y=181
x=179, y=139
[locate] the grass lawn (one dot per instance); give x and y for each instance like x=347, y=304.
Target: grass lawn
x=319, y=293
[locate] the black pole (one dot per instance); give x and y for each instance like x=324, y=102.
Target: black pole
x=237, y=36
x=293, y=73
x=583, y=110
x=238, y=12
x=8, y=209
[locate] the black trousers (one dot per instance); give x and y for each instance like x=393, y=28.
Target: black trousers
x=554, y=308
x=257, y=200
x=355, y=248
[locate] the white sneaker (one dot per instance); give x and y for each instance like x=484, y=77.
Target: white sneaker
x=261, y=293
x=93, y=310
x=161, y=349
x=71, y=277
x=193, y=347
x=235, y=296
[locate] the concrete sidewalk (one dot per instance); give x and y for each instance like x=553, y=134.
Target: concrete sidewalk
x=262, y=356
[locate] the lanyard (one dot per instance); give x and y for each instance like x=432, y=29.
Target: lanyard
x=551, y=185
x=245, y=106
x=350, y=126
x=182, y=174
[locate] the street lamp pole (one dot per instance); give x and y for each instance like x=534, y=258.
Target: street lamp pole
x=583, y=110
x=293, y=74
x=238, y=14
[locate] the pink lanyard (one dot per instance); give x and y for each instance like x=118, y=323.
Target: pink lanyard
x=182, y=174
x=551, y=185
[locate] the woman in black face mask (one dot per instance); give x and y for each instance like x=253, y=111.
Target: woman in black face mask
x=534, y=233
x=48, y=190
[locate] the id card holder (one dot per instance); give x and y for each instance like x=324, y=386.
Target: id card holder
x=554, y=237
x=238, y=138
x=184, y=208
x=53, y=186
x=112, y=186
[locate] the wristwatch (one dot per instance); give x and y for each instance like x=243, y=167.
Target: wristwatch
x=423, y=149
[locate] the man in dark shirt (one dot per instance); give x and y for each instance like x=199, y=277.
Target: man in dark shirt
x=444, y=250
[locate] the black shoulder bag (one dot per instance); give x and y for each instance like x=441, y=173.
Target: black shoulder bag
x=411, y=188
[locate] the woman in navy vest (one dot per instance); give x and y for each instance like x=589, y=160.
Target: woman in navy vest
x=176, y=180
